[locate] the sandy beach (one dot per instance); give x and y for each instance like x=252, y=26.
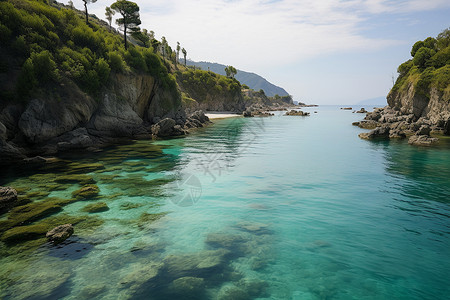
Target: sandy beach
x=221, y=114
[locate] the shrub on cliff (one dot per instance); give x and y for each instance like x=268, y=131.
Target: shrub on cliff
x=429, y=67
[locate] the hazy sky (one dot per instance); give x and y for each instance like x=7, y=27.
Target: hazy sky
x=320, y=51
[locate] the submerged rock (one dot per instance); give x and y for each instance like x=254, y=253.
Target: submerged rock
x=24, y=233
x=25, y=214
x=60, y=234
x=43, y=279
x=187, y=288
x=8, y=196
x=96, y=207
x=86, y=192
x=75, y=178
x=228, y=292
x=200, y=264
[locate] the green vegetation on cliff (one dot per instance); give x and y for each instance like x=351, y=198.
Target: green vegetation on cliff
x=42, y=44
x=198, y=84
x=429, y=67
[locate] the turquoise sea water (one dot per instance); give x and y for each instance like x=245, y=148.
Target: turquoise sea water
x=255, y=208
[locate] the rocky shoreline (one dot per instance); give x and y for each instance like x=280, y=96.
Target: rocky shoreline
x=389, y=123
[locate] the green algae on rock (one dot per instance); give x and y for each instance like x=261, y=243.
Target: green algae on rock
x=25, y=214
x=82, y=179
x=96, y=207
x=89, y=191
x=24, y=233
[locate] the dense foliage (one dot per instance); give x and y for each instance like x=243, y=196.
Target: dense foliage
x=199, y=84
x=429, y=67
x=49, y=43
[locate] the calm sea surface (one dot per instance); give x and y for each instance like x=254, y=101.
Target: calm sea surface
x=283, y=207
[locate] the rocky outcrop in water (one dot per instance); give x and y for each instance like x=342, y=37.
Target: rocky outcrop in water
x=390, y=123
x=60, y=234
x=8, y=197
x=296, y=113
x=167, y=127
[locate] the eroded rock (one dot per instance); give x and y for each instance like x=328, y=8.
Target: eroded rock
x=8, y=197
x=423, y=140
x=60, y=234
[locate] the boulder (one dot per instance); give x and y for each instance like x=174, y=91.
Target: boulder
x=362, y=111
x=247, y=113
x=200, y=116
x=422, y=140
x=8, y=196
x=167, y=127
x=296, y=113
x=379, y=132
x=197, y=119
x=60, y=234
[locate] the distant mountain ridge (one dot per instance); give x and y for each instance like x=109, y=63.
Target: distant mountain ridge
x=374, y=101
x=254, y=81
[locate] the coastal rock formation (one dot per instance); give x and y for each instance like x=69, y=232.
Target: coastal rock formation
x=8, y=196
x=60, y=234
x=167, y=127
x=361, y=111
x=197, y=119
x=422, y=140
x=296, y=113
x=394, y=124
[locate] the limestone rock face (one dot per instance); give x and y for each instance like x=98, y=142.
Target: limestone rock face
x=114, y=118
x=60, y=234
x=434, y=108
x=8, y=196
x=49, y=118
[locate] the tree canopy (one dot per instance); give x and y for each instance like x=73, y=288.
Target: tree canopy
x=109, y=14
x=231, y=71
x=130, y=16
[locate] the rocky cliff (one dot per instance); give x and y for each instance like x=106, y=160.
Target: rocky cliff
x=419, y=102
x=71, y=119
